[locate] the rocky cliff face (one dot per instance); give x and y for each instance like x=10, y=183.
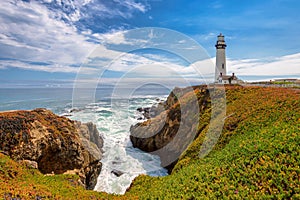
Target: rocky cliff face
x=54, y=144
x=168, y=134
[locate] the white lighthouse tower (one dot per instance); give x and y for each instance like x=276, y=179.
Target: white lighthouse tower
x=220, y=58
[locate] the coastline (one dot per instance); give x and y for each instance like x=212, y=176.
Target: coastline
x=254, y=131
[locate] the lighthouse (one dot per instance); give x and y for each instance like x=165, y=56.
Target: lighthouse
x=220, y=58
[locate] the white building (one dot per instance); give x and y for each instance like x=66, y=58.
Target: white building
x=220, y=71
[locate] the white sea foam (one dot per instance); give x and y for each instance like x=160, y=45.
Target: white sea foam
x=121, y=162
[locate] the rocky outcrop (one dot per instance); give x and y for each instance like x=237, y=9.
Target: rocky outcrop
x=150, y=112
x=170, y=132
x=57, y=144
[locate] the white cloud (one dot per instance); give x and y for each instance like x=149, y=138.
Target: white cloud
x=74, y=10
x=205, y=37
x=114, y=37
x=132, y=5
x=46, y=68
x=45, y=31
x=89, y=9
x=29, y=33
x=153, y=65
x=280, y=66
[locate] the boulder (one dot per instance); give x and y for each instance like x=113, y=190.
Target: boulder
x=117, y=173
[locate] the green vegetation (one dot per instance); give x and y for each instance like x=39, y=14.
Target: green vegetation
x=17, y=180
x=282, y=82
x=256, y=157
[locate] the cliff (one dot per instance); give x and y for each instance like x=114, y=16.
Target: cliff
x=256, y=155
x=53, y=144
x=175, y=123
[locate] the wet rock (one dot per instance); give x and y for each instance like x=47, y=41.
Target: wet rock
x=140, y=109
x=117, y=173
x=150, y=112
x=75, y=110
x=66, y=115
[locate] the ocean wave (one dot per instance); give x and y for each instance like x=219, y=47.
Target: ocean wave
x=121, y=162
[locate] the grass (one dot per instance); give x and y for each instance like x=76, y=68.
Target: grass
x=256, y=157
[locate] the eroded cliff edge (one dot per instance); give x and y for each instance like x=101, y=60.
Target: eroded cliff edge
x=176, y=122
x=53, y=144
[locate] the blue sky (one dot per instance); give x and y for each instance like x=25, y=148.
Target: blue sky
x=44, y=43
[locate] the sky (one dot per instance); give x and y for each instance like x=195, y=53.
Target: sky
x=59, y=43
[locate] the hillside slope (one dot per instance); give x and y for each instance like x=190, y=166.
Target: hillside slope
x=256, y=156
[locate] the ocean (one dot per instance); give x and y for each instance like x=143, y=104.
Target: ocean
x=113, y=123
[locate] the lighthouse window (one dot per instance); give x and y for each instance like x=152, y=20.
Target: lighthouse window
x=223, y=66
